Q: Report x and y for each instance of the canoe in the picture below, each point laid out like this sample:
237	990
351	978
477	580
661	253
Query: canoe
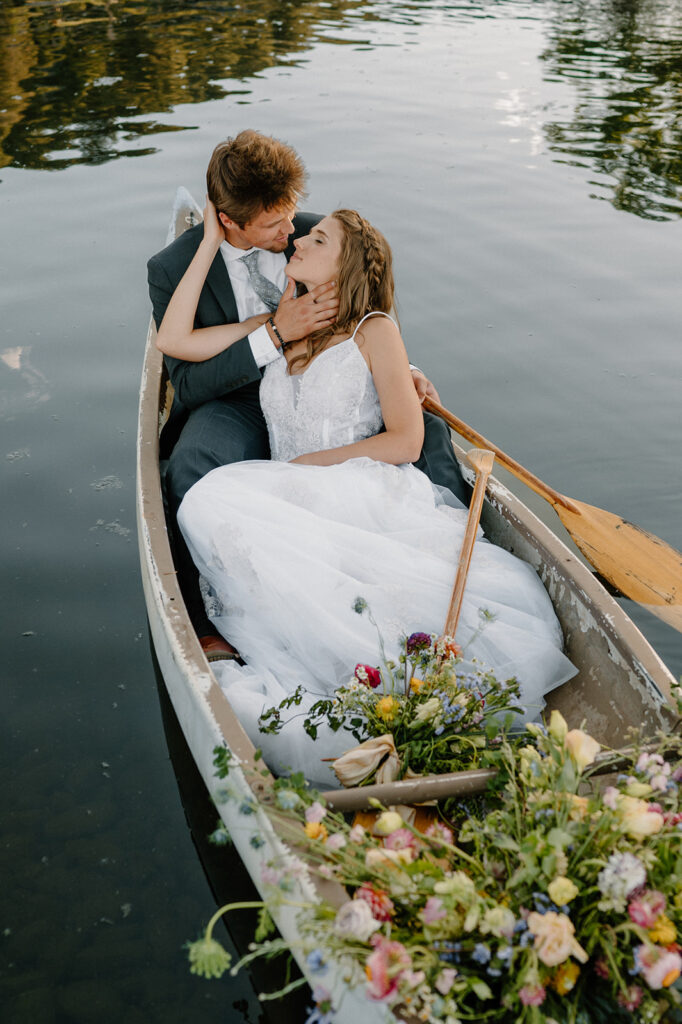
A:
621	681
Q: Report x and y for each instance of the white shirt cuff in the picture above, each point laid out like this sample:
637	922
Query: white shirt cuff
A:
262	347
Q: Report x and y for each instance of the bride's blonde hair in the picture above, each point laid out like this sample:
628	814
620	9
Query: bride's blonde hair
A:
364	281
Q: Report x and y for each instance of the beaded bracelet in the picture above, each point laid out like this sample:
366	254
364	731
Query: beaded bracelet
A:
279	337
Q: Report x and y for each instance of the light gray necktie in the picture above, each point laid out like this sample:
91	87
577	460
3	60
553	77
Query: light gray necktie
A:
262	286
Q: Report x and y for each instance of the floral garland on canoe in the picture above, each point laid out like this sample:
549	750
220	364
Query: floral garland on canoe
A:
558	902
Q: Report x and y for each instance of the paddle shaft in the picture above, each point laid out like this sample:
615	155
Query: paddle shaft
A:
523	474
482	461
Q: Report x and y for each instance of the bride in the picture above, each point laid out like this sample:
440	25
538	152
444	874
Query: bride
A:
286	547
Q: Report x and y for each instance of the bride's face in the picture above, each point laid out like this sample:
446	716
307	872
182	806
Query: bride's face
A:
317	255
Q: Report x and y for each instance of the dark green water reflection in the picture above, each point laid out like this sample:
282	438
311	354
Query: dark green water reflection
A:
87	81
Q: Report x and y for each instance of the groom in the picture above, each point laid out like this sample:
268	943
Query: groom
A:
255	183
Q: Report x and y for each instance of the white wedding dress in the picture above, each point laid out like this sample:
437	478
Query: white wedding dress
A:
284	551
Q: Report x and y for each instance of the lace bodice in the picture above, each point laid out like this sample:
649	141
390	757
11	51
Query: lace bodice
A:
331	404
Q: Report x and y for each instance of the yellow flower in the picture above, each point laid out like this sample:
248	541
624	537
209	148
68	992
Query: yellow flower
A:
663	931
557	726
582	747
638	789
315	830
579	807
416	684
637	819
387	708
565	978
387	822
562	890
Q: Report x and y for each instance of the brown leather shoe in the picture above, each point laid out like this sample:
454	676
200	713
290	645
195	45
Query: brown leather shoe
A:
217	649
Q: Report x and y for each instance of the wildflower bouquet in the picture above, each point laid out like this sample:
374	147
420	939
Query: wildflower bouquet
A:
436	714
563	904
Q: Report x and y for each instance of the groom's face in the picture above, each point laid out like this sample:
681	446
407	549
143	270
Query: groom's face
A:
270	230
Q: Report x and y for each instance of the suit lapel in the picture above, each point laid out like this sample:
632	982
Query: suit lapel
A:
218	280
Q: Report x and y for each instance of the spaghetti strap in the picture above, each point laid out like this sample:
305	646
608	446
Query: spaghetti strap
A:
374	312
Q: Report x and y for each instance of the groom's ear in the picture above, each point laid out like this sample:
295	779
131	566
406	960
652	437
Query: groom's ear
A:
226	222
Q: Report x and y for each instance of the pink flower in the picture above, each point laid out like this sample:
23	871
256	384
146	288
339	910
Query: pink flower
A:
659	966
357	834
601	968
401	839
445	980
632	999
385	966
439	833
644	910
315	812
336	841
368	675
610	797
433	910
379	901
532	995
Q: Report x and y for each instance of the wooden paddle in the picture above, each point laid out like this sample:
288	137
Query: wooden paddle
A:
638	564
482	461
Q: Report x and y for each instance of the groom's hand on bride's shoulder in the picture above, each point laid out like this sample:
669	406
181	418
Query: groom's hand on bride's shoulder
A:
423	385
296	317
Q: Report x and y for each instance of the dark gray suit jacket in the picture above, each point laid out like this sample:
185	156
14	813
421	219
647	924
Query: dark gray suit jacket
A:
235	367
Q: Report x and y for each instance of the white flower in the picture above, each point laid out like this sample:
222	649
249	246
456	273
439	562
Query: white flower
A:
354	921
429	710
622	875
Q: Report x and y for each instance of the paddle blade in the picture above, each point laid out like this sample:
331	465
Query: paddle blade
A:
640	565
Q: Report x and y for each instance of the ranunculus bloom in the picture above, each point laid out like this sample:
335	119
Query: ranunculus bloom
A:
387	822
368	675
638	820
384	967
354	920
532	995
659	967
562	890
554	938
557	726
379	901
583	748
645	910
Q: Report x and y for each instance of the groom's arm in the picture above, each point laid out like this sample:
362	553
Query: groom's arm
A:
196	383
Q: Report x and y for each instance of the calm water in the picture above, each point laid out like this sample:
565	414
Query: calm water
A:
524	160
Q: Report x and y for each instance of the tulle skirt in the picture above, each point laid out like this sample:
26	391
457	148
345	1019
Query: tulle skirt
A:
284	552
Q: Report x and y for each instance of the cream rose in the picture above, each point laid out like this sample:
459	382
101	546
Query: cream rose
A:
582	747
354	921
554	938
557	726
637	819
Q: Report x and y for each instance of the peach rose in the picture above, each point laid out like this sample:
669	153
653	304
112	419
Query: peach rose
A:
554	938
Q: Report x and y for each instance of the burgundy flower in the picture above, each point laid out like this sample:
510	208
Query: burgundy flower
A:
417	642
368	675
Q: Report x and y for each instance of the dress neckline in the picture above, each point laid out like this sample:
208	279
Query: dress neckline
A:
337	344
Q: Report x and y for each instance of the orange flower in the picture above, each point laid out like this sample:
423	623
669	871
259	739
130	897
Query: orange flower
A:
565	978
315	830
387	708
416	684
663	931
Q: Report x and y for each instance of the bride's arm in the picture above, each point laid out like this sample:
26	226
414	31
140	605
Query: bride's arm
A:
402	440
177	335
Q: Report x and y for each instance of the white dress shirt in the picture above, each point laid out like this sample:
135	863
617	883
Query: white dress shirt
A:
271	265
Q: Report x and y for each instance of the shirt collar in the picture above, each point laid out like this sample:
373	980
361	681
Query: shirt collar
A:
231	252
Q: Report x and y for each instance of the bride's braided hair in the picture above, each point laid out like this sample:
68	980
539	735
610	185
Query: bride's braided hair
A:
364	281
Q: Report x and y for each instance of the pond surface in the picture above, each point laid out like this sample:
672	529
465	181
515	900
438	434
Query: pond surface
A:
524	159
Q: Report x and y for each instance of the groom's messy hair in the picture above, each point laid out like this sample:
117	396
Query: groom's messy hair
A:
253	172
